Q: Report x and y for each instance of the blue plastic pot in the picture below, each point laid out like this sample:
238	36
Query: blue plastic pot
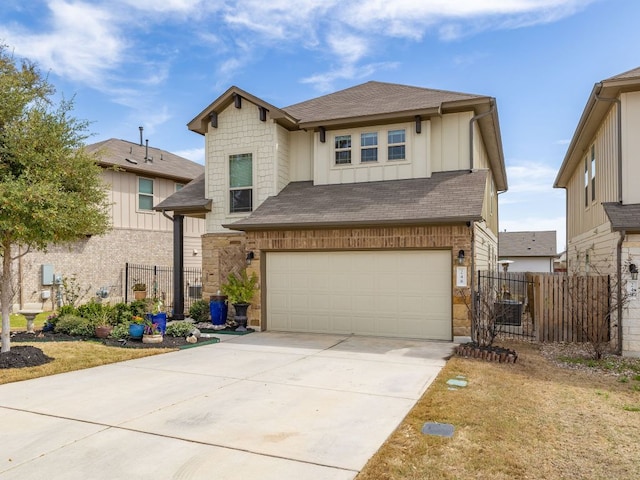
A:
218	307
160	319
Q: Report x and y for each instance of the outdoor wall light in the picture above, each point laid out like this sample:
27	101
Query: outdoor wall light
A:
250	256
633	270
460	257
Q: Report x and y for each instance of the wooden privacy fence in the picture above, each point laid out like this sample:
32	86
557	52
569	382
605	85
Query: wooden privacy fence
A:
571	308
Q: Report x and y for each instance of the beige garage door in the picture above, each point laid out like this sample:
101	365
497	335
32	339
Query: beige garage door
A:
385	293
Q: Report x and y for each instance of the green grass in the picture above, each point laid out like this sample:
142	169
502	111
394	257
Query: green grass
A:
19	322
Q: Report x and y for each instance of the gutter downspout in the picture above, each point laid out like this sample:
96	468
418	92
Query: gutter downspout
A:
623	234
472	226
471	122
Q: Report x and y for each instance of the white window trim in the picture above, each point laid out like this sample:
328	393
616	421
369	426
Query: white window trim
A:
227	202
383	150
152	195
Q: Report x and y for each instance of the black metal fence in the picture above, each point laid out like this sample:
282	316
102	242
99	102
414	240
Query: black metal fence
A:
158	281
503	303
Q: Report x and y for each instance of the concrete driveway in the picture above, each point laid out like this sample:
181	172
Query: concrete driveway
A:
260	406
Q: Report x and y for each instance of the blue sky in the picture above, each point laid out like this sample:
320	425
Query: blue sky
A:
158	63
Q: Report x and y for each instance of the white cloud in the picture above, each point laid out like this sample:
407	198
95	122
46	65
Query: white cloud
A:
82	41
194	154
531	177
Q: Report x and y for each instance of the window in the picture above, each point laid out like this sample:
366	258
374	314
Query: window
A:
240	183
593	173
396	142
179	186
145	194
343	149
586	183
368	147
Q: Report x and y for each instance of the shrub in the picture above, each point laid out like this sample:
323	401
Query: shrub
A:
67	310
120	331
138	307
199	311
179	329
121	313
75	325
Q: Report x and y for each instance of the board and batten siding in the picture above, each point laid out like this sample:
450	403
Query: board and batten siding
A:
123	196
415	165
630	147
583	218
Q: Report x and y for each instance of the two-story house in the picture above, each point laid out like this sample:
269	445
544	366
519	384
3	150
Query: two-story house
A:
603	205
137	177
363	211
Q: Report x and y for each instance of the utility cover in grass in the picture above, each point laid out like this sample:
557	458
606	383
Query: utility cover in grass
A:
438	429
458	382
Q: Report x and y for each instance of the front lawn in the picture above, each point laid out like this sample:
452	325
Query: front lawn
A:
534	419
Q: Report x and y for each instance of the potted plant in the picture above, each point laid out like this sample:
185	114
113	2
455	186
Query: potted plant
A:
154	313
139	290
240	291
136	327
152	333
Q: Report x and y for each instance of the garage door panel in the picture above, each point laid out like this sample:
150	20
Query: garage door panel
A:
387	293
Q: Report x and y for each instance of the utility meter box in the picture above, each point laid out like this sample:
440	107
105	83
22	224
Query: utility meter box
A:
47	274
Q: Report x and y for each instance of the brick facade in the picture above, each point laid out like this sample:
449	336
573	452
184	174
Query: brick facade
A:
224	253
96	262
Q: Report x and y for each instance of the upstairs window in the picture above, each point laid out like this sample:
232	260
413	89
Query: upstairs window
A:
179	186
369	147
240	183
145	194
396	142
343	149
593	173
586	183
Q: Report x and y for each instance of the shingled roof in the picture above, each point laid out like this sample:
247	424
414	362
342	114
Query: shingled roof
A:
527	244
152	162
189	200
446	197
390	98
623	217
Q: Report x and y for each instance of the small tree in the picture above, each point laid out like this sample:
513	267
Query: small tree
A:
51	190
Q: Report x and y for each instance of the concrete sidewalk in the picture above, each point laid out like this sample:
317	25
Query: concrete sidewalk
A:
260	406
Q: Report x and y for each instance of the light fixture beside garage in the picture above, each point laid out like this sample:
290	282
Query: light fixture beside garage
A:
250	256
460	257
633	270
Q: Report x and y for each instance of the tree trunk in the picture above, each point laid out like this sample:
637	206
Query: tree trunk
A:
5	296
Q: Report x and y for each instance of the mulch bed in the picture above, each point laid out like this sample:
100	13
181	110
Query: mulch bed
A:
23	356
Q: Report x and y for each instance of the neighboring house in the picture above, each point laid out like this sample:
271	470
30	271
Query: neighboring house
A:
529	251
138	177
363	211
599	172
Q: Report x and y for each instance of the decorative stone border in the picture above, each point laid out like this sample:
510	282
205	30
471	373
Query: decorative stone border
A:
491	354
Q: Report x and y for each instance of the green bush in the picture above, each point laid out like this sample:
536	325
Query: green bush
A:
120	331
199	311
67	310
75	325
122	313
179	329
138	307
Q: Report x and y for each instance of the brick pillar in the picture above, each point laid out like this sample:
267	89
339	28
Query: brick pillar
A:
222	254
